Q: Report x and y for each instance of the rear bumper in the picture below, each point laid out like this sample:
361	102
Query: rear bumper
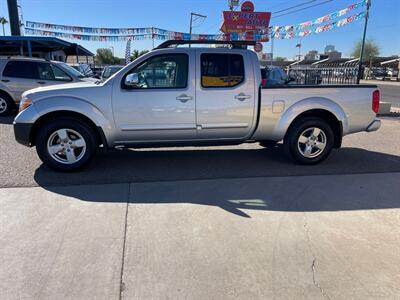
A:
22	132
374	126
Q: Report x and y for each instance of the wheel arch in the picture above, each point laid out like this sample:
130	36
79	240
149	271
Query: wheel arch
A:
4	92
319	107
100	136
325	115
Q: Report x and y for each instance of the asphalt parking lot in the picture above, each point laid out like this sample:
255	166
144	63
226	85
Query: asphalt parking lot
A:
203	223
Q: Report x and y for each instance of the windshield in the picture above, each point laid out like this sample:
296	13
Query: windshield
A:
72	71
108	71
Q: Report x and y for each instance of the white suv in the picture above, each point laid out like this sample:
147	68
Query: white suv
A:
19	74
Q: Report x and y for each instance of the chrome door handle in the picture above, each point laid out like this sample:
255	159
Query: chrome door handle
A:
184	98
242	97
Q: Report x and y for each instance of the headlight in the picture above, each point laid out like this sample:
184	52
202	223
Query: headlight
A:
25	102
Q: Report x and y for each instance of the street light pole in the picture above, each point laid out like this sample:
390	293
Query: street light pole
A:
192	20
363	43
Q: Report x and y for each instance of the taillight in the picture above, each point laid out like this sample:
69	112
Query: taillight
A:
264	82
375	101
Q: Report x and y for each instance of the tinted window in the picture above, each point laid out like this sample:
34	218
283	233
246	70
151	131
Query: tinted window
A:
21	69
60	74
163	71
45	71
221	70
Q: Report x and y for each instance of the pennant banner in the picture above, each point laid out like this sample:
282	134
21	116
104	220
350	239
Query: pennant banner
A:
282	30
124	34
165	35
319	29
89	30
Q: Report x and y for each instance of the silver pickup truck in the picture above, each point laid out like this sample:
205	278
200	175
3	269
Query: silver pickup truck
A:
180	96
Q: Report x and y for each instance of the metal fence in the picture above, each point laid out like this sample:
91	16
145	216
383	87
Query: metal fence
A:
323	75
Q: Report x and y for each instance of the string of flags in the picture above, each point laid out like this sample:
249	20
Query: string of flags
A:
303	29
290	34
250	36
320	20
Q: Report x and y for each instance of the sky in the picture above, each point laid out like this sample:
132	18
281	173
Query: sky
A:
383	25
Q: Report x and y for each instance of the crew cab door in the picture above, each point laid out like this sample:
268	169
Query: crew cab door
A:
225	94
162	106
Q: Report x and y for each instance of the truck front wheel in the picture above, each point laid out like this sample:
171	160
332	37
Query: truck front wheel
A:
309	140
66	144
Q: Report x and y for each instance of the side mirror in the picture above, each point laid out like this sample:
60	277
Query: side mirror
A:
132	80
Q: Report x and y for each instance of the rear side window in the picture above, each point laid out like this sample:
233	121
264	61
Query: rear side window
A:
21	69
221	70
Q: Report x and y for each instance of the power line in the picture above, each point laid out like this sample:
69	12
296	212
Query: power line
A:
304	8
289	8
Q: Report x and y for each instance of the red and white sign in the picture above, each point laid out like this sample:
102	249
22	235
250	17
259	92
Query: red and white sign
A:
258	47
245	20
247	6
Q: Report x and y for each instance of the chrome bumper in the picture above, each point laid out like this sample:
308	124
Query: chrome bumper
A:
374	126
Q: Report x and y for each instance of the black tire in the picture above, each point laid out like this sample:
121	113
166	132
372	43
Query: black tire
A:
291	146
70	123
7	105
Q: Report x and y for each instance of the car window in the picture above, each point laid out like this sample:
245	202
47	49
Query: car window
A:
163	71
221	70
60	74
45	71
282	74
21	69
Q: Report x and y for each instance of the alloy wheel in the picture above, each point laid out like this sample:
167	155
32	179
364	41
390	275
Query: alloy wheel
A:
66	146
312	142
3	105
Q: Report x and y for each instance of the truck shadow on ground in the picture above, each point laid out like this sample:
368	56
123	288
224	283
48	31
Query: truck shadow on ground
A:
7	120
235	180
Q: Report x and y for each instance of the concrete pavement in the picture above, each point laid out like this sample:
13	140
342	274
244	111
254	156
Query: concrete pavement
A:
303	237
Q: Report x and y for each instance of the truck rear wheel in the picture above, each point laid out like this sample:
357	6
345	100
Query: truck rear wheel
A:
309	141
66	144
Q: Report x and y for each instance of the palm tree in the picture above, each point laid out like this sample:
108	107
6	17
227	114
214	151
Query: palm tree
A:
3	21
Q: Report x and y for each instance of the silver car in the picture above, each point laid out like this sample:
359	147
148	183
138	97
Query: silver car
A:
19	74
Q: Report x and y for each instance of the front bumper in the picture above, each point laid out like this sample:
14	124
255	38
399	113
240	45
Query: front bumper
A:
374	126
22	132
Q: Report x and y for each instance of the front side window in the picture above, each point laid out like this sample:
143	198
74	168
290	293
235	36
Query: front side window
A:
221	70
163	72
21	69
45	71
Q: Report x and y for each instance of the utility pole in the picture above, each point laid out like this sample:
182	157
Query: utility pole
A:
363	42
196	17
14	17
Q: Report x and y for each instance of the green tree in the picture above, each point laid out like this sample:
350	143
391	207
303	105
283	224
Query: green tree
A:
136	53
104	56
3	21
280	58
371	49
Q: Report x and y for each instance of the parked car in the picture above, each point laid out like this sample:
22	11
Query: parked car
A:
19	74
108	71
206	96
85	69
